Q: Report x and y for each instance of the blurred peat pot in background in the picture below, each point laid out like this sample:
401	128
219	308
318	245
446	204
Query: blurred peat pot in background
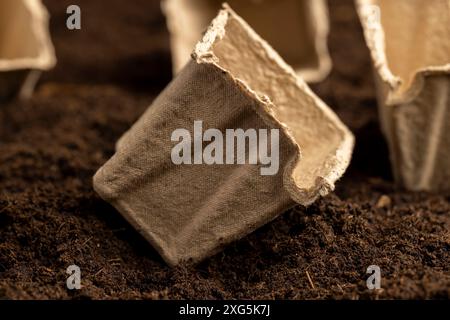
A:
234	80
25	46
297	29
410	46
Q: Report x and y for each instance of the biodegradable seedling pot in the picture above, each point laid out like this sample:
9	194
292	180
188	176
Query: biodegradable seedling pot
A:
410	46
297	29
235	80
25	46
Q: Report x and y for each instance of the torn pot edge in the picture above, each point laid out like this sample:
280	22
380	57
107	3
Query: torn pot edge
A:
340	161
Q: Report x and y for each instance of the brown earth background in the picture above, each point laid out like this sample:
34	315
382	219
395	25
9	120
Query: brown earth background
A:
107	75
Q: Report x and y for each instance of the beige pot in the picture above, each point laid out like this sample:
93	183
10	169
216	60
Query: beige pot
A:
409	41
297	29
234	81
25	46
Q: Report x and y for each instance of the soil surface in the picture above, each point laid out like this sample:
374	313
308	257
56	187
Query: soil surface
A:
108	74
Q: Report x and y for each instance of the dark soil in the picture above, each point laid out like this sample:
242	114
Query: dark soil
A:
108	73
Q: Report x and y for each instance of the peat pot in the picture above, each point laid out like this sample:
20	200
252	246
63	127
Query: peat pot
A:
25	46
297	29
234	140
409	43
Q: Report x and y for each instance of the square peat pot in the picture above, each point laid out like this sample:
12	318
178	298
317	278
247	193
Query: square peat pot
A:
234	140
297	29
25	46
409	43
